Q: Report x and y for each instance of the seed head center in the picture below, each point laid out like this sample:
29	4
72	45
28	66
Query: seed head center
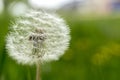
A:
38	36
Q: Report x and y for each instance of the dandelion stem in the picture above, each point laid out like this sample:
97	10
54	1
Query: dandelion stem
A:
38	76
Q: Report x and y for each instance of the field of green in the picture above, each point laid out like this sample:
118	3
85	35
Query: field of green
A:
94	52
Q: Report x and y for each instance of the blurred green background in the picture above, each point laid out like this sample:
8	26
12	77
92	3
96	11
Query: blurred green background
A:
94	52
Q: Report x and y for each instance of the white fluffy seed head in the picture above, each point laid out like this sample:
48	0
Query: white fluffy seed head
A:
37	37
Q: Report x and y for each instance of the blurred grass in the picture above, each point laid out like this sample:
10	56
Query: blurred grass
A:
94	52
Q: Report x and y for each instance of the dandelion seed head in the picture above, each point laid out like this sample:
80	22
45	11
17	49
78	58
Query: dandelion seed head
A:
37	36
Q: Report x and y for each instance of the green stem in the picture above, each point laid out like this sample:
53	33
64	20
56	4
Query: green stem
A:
38	76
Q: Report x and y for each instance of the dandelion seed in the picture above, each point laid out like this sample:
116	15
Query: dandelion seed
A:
37	36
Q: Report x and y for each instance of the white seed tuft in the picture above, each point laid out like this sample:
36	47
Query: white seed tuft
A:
38	37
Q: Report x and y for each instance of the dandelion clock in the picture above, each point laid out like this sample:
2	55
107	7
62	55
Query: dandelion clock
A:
37	37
